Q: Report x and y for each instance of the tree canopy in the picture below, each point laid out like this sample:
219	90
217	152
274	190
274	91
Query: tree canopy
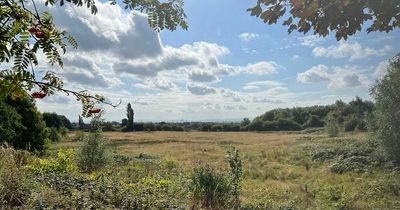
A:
343	17
25	33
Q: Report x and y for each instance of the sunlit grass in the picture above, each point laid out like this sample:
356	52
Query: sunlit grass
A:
276	166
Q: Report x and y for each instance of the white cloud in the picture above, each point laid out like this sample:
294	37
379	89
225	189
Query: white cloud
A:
348	76
157	83
338	77
262	68
317	73
310	40
257	85
248	36
200	89
353	51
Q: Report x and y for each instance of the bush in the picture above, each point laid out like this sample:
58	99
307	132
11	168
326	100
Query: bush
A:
332	127
288	125
387	114
93	154
63	162
211	189
13	190
54	135
314	121
79	136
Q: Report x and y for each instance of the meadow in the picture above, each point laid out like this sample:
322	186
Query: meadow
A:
281	170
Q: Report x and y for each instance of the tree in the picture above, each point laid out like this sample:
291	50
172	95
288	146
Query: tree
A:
55	120
130	116
344	17
24	33
245	122
387	112
21	125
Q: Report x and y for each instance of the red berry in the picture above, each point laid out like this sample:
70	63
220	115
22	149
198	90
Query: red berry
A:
38	95
93	111
32	30
39	34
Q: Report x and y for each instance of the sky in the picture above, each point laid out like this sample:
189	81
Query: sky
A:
226	66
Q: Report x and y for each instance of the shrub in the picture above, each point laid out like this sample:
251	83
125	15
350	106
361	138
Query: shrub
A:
93	154
63	162
13	190
211	189
332	127
387	114
288	125
54	135
235	164
314	121
79	136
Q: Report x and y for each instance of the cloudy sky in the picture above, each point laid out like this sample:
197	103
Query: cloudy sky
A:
227	66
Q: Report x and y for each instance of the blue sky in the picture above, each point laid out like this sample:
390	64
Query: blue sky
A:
227	66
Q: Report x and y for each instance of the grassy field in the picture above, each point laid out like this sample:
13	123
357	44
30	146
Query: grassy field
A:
281	170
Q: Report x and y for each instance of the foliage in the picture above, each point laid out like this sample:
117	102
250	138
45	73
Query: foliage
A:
63	162
93	154
54	135
23	125
130	116
236	165
298	118
211	189
332	127
344	18
79	136
57	121
349	155
13	189
26	33
387	114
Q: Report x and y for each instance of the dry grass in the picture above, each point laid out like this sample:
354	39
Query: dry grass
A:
275	165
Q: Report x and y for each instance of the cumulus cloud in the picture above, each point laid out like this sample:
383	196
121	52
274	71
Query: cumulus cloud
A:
310	40
200	89
353	51
338	77
246	37
157	83
348	76
317	73
262	68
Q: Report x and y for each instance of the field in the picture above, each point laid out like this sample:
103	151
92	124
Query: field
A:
281	170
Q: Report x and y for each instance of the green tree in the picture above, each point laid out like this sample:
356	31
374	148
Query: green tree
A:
387	113
55	120
23	125
245	122
25	33
343	17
